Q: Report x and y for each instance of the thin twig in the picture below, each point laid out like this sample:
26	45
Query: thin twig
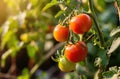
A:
48	55
7	76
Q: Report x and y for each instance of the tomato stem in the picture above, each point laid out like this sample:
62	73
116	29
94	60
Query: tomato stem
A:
81	36
89	38
94	17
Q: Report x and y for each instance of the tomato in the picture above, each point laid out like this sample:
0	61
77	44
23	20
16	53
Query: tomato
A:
61	33
81	23
65	65
76	52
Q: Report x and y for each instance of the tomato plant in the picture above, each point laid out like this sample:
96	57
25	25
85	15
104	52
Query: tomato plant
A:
61	33
76	52
85	31
81	23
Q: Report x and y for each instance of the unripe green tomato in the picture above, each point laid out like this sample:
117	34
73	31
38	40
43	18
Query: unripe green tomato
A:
65	65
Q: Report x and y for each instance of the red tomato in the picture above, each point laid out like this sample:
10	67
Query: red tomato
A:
76	52
61	33
80	23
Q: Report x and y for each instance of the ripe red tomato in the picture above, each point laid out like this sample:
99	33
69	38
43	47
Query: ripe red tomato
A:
76	52
61	33
65	65
81	23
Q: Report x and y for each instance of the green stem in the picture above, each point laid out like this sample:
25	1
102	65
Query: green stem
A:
94	17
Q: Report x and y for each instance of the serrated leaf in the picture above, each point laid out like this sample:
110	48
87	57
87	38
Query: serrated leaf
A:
115	45
114	31
59	13
52	3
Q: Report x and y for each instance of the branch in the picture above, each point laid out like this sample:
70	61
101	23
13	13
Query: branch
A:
94	17
48	55
7	76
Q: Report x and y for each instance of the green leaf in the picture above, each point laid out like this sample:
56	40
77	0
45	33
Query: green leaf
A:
59	13
6	37
25	74
68	1
81	69
100	4
108	74
34	2
102	59
31	50
112	71
114	31
52	3
115	45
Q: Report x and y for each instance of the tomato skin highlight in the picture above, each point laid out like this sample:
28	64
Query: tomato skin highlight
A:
76	52
81	23
61	33
65	65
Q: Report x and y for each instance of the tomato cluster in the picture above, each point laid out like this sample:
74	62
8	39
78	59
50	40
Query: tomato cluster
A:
77	51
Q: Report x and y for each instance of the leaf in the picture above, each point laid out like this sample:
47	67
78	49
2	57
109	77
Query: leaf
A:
114	31
59	13
52	3
25	74
100	4
102	59
6	37
115	45
81	69
112	71
31	50
68	1
108	74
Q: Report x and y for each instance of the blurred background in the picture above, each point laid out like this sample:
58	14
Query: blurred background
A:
27	43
